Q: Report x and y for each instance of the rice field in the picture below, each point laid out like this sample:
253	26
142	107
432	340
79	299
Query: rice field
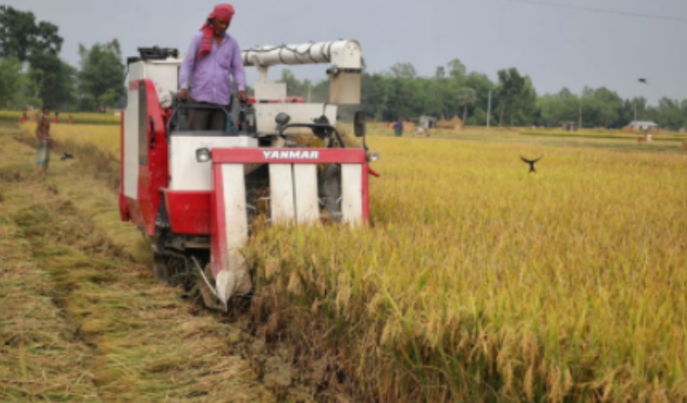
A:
104	138
604	134
477	281
78	117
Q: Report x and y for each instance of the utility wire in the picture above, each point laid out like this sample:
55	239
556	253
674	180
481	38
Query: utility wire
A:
599	10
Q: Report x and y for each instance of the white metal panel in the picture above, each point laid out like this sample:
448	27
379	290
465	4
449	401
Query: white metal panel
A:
189	174
236	224
270	91
300	113
281	193
136	71
352	193
163	73
131	145
305	187
344	88
165	76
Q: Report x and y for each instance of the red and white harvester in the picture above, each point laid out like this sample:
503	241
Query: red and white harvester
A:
194	194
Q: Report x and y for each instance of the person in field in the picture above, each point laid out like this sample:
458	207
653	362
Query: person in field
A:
398	128
212	57
45	142
23	119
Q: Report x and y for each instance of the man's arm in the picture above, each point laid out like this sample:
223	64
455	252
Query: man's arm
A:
187	66
237	70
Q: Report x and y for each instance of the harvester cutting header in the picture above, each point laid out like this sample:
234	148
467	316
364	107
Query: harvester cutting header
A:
194	190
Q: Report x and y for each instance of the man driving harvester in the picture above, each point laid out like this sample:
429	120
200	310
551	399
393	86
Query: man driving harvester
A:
212	56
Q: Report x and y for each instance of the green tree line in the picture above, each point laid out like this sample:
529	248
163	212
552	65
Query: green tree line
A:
453	91
33	74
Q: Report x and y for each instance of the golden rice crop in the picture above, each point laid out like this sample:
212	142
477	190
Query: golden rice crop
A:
79	117
104	138
477	281
602	134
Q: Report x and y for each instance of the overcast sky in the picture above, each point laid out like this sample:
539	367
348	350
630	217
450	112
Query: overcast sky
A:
557	47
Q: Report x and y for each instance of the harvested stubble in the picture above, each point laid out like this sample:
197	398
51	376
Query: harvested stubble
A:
479	282
39	358
84	322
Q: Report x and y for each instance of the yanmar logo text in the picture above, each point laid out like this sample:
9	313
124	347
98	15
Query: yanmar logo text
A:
291	155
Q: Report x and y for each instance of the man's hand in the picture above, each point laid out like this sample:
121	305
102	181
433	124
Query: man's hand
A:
242	96
183	94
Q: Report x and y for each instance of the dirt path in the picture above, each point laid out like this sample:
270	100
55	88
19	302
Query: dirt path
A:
84	320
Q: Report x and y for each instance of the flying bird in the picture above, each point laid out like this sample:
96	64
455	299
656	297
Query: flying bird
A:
66	155
531	163
642	80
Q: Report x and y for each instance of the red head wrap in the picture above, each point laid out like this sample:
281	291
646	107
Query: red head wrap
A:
224	12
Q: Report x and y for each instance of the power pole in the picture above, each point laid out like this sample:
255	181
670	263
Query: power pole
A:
489	110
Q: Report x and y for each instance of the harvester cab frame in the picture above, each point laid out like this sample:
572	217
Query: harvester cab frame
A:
195	193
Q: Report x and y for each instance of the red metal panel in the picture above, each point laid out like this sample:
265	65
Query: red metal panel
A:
288	156
188	211
218	230
123	211
155	176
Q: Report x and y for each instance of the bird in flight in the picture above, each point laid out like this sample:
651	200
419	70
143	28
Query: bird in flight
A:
66	155
642	80
531	163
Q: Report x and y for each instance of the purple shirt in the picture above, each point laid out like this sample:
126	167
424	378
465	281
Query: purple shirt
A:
209	76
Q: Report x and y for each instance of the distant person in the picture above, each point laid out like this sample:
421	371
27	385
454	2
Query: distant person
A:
56	118
45	142
398	128
23	119
211	58
70	120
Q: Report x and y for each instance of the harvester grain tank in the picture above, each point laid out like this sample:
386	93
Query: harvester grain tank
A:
194	194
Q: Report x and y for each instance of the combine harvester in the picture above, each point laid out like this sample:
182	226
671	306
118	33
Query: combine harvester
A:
194	194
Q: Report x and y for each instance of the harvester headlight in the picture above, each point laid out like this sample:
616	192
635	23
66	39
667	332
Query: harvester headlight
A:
372	157
203	155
